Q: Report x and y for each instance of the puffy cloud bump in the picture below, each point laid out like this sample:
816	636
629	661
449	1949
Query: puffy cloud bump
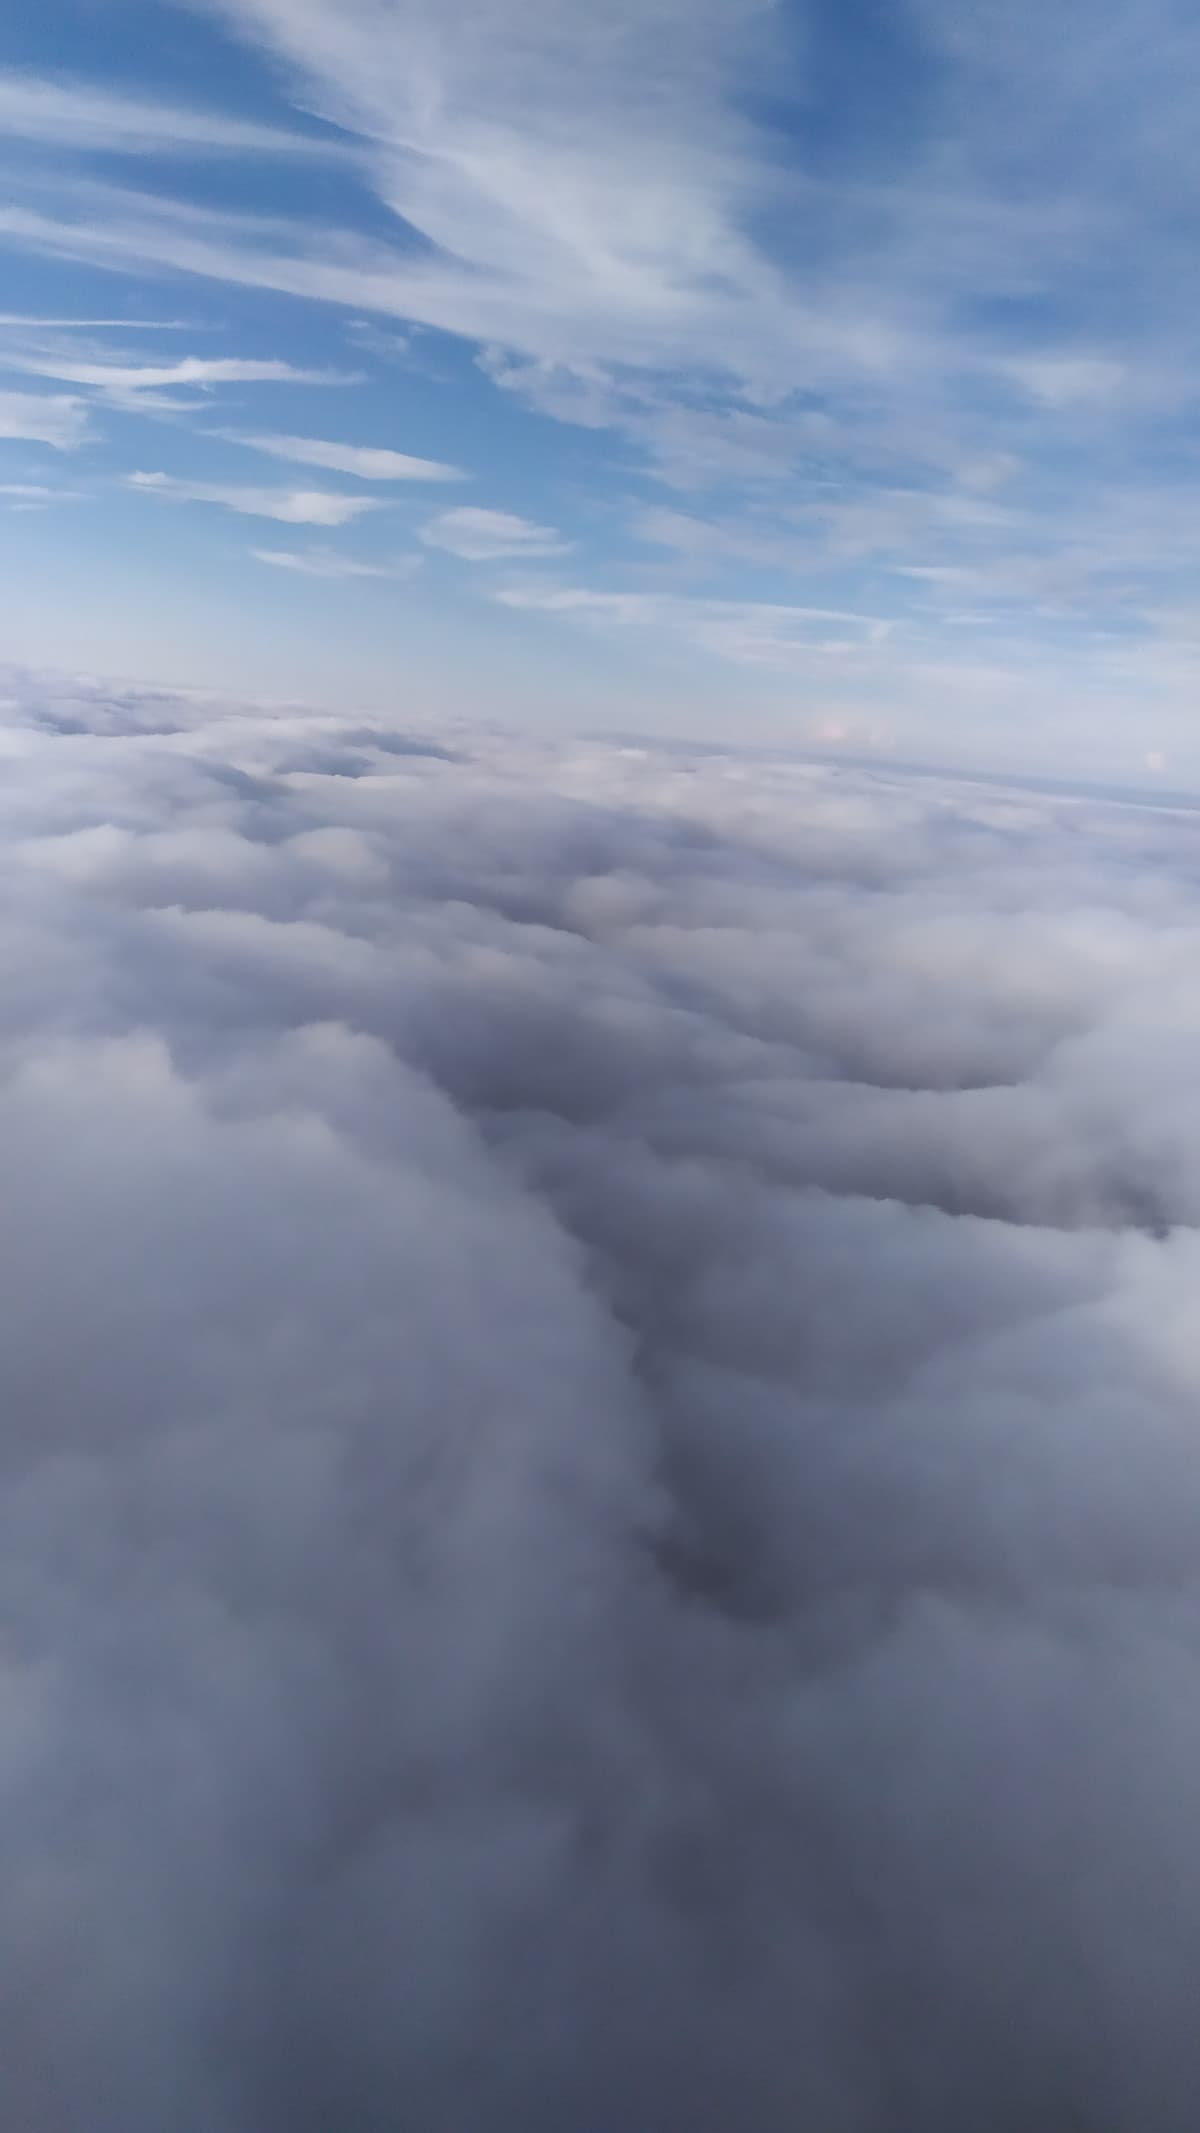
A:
601	1510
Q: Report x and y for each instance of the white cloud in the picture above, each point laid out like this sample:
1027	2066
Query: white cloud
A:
750	632
368	462
480	536
57	419
327	563
601	1510
127	325
202	372
83	118
33	494
292	507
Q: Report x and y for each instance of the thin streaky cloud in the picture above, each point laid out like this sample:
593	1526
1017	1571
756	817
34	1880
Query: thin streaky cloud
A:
127	325
199	371
368	462
292	507
327	563
750	633
82	118
479	536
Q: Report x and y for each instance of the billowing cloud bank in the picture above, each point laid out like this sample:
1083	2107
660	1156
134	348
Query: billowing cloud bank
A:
601	1440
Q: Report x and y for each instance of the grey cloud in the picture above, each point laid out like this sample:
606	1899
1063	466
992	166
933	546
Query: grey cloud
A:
601	1486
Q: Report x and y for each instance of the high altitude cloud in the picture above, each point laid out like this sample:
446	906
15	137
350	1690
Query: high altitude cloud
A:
203	371
58	419
32	495
496	140
752	632
368	462
293	507
328	563
598	1395
480	536
83	117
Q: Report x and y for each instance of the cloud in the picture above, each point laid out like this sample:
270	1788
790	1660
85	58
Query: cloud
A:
294	507
58	419
1061	381
33	495
491	536
752	632
600	1485
368	462
327	563
500	150
202	372
128	325
84	118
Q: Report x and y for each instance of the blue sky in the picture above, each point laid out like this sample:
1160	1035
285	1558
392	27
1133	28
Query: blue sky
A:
818	373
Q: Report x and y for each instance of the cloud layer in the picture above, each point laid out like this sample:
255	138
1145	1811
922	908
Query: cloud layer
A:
601	1487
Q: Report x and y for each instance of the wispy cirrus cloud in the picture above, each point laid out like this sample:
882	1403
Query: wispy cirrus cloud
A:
367	462
480	536
56	419
328	563
84	117
196	372
39	319
292	507
33	495
750	632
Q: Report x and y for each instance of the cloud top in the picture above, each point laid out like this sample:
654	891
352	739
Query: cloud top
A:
600	1485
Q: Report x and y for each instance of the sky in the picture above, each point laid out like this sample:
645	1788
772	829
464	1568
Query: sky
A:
818	373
